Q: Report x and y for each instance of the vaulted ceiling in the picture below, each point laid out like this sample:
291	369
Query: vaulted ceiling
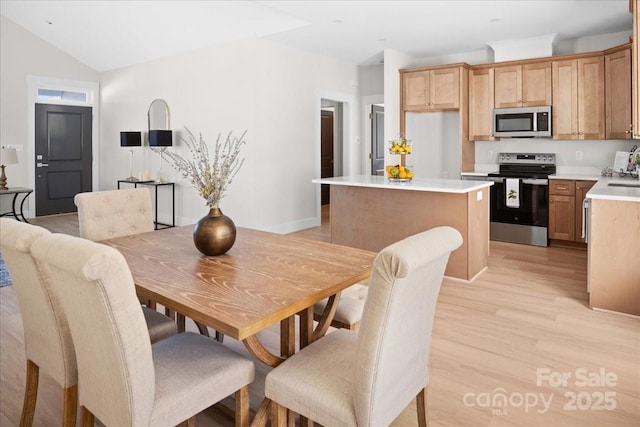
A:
111	34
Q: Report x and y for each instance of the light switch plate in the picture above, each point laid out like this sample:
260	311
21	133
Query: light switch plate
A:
18	147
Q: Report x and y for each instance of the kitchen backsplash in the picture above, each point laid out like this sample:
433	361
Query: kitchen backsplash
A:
571	156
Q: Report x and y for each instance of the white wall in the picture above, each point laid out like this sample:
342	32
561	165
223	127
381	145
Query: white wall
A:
592	43
435	139
481	56
23	54
371	91
371	80
272	91
393	61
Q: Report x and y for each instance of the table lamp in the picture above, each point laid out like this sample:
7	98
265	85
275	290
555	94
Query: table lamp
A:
131	139
160	139
8	156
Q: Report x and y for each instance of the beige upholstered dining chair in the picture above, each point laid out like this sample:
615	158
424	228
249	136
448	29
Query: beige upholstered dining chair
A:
114	213
48	343
349	311
367	378
109	214
125	380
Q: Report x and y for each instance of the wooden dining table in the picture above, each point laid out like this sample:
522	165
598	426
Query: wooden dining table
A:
264	279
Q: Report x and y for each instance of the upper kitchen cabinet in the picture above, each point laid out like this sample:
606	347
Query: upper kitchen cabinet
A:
635	68
430	89
481	91
578	98
617	69
527	85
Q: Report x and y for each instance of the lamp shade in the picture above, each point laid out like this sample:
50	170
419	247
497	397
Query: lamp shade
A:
8	156
130	139
160	138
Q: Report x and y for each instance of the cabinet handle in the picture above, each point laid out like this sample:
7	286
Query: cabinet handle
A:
578	188
627	132
561	188
580	133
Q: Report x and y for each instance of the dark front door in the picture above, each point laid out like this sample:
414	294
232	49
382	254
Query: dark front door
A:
63	156
377	139
326	152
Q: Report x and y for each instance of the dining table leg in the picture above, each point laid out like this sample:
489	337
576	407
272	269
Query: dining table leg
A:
306	327
288	336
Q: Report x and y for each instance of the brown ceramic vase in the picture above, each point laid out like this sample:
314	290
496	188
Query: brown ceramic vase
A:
215	233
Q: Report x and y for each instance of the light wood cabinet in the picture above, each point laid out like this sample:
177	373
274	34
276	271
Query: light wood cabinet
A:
565	209
481	104
582	188
526	85
431	90
635	68
562	210
578	98
617	71
444	88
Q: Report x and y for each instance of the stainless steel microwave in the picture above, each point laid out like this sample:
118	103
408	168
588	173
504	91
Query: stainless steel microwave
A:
523	122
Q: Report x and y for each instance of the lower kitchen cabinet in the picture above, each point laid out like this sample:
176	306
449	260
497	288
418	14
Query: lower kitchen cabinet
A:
565	209
562	209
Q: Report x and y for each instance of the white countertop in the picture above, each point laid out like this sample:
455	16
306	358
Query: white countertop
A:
603	191
416	184
576	176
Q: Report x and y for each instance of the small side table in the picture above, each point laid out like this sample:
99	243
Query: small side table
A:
14	204
158	225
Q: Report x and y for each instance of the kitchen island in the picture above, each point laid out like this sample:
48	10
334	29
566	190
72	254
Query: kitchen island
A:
614	246
369	212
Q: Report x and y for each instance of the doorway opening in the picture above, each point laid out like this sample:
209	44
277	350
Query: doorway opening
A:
331	144
377	139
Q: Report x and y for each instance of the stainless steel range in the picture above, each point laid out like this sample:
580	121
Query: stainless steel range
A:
520	198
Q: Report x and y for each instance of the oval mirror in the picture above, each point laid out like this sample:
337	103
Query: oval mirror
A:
158	115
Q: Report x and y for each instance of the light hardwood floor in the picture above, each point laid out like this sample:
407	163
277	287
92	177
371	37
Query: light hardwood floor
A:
526	317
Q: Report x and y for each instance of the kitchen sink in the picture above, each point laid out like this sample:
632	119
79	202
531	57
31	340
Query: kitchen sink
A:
634	183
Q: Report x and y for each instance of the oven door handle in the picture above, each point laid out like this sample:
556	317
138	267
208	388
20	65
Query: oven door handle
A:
495	179
536	181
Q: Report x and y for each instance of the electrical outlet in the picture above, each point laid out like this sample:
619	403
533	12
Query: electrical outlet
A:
445	175
490	155
578	155
18	147
479	196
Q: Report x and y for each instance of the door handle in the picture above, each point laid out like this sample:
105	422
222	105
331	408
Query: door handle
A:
41	165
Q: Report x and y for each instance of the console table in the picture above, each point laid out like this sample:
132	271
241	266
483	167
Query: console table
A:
14	204
158	225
